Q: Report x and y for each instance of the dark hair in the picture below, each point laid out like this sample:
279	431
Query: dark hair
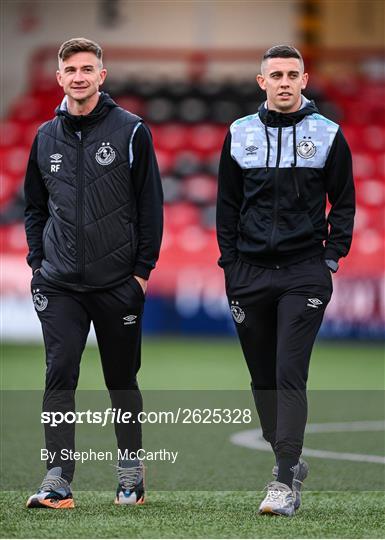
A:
282	51
76	45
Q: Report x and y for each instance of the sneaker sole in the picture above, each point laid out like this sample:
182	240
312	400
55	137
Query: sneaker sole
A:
140	501
56	505
269	510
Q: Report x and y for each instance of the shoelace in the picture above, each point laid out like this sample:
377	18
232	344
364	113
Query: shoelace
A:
128	476
52	482
276	494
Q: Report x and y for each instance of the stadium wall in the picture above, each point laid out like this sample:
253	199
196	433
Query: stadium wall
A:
28	25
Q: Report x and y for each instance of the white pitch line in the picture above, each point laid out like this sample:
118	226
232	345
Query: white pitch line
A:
253	439
333	427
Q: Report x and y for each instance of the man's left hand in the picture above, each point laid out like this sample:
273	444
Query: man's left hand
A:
142	283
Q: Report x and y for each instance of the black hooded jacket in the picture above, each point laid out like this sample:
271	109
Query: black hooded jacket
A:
275	176
93	199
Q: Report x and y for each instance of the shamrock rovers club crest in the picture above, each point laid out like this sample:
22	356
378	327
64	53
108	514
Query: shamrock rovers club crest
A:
106	154
306	149
237	312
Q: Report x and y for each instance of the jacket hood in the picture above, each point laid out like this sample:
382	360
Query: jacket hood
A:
277	119
85	123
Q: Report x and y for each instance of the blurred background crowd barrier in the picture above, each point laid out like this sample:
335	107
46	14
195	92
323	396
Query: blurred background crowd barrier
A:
188	69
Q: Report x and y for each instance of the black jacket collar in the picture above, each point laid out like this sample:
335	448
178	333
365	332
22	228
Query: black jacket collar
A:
85	123
278	119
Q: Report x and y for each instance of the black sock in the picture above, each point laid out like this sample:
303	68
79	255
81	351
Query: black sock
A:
286	470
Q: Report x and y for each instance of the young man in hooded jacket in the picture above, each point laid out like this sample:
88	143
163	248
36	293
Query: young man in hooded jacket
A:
278	250
93	221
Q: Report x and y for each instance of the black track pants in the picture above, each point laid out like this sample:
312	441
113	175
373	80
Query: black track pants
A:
277	314
65	317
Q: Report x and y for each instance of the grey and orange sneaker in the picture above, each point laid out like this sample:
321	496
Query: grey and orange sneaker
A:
131	482
279	500
54	492
301	470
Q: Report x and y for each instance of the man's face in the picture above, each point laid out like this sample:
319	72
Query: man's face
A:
283	79
80	76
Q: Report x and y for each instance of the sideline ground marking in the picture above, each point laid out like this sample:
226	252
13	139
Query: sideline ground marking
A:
252	438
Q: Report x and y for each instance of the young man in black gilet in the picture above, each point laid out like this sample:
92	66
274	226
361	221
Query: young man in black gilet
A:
93	221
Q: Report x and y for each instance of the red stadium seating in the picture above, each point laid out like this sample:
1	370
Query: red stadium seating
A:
9	186
188	156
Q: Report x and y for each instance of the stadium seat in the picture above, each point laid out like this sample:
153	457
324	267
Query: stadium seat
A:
15	159
165	161
364	164
206	138
373	138
200	189
225	112
376	219
353	135
369	241
131	103
172	189
187	163
12	239
379	159
192	110
361	219
11	133
181	215
208	217
193	238
29	133
8	188
371	192
172	137
27	109
159	110
212	162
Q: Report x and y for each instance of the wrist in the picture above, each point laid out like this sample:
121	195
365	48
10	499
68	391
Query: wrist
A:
142	282
332	265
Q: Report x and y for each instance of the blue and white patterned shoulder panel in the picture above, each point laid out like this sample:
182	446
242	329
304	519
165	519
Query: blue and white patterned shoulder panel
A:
314	137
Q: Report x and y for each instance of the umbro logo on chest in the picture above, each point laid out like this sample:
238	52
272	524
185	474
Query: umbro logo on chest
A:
56	160
251	150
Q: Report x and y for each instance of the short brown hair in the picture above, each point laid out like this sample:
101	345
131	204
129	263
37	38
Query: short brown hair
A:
76	45
282	51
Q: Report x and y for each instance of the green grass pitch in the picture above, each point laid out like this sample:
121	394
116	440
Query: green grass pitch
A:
218	365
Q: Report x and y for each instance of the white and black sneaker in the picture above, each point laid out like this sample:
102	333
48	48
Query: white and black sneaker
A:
279	500
301	470
131	483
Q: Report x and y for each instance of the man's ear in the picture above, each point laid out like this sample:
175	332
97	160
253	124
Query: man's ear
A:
103	75
261	81
58	78
305	79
